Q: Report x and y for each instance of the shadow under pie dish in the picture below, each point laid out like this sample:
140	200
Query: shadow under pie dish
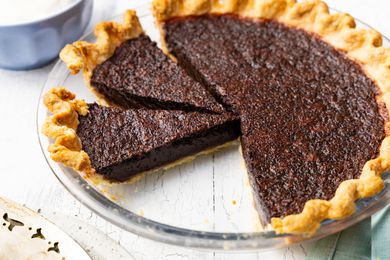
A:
251	112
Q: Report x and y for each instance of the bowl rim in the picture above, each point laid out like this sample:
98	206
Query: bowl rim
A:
61	11
181	236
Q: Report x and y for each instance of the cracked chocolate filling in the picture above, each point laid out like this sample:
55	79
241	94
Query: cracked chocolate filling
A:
122	143
140	75
309	116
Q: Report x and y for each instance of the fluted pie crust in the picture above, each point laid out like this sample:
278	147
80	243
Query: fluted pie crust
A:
339	30
62	126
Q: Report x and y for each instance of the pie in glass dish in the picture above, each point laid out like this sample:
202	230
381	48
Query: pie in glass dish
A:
306	91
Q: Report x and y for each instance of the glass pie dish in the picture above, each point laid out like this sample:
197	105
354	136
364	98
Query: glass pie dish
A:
206	203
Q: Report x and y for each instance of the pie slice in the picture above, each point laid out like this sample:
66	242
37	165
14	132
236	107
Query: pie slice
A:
119	144
312	93
124	67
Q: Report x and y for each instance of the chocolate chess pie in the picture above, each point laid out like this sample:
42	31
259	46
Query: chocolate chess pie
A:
309	89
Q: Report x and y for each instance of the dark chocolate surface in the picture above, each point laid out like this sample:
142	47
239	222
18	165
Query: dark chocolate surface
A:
122	143
309	116
140	75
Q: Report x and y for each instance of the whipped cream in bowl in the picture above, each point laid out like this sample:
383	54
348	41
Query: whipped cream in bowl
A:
32	32
24	11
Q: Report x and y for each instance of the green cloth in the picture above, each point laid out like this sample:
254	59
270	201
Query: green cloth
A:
380	226
369	239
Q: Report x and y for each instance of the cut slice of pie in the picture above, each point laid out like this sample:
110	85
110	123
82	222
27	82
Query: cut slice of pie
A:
126	68
119	144
312	92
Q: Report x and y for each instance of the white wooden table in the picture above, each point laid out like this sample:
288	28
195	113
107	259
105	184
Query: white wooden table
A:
27	179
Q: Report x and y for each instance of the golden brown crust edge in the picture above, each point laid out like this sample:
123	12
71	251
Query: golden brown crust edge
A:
82	55
62	126
361	45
